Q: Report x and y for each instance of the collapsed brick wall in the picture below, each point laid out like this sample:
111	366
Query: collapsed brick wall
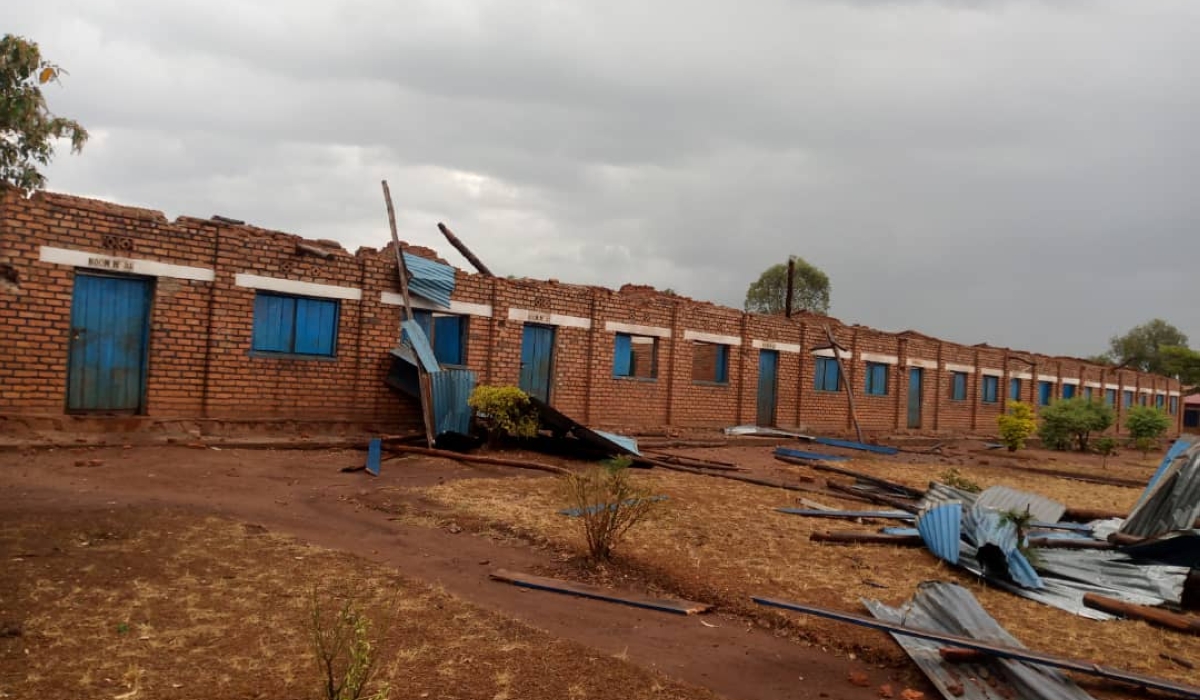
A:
201	363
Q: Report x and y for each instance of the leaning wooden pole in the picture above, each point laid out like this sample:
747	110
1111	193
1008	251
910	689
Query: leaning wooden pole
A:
791	276
837	356
462	248
402	269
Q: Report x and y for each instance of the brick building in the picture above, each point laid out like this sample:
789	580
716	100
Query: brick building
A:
116	310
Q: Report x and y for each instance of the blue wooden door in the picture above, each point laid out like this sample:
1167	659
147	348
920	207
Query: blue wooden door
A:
915	375
110	325
537	359
768	375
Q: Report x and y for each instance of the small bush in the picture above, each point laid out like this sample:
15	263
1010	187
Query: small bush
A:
1070	422
1146	424
953	477
609	502
1017	425
345	652
1106	446
505	410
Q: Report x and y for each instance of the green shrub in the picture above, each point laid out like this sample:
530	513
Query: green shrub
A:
1106	446
345	651
1070	422
609	504
955	478
1017	425
505	410
1146	424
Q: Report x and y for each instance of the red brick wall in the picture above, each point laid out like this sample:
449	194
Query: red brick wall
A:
201	364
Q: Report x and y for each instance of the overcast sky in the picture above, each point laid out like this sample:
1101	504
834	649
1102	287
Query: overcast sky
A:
1017	173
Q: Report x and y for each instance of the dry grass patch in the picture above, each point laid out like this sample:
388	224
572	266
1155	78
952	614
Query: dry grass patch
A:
164	605
720	541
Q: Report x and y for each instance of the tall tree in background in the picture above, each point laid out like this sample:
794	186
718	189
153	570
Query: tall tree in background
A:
28	129
1142	347
810	289
1183	363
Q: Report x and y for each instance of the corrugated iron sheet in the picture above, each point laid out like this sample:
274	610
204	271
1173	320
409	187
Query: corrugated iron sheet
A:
851	445
450	389
761	431
431	280
939	493
555	419
1005	499
941	529
1116	575
951	609
849	514
1177	448
414	337
816	456
1172	502
994	539
1174	548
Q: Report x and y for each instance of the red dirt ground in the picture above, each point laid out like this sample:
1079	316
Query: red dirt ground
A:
303	494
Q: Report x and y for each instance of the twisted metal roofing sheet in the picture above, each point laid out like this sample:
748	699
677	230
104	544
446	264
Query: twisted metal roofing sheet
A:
1005	499
940	528
431	280
1172	501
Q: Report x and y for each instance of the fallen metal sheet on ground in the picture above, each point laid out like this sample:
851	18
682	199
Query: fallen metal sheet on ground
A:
577	512
851	445
939	493
1172	501
941	530
760	431
951	609
1005	499
1113	573
1001	651
814	456
1177	448
849	514
561	423
996	547
541	583
1175	548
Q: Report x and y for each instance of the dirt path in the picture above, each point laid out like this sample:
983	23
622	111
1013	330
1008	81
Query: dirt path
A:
303	494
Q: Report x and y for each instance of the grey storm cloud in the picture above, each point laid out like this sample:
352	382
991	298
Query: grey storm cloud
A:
1010	172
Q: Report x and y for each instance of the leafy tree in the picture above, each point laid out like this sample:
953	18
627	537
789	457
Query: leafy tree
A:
27	127
1072	421
1145	425
1017	425
1141	348
1183	363
810	289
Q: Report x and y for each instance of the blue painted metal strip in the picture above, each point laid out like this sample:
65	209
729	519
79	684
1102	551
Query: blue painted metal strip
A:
881	514
451	388
851	445
374	456
941	529
577	512
1181	445
801	454
415	335
906	531
431	280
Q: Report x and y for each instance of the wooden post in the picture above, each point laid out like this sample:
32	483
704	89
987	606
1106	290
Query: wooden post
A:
791	274
422	377
837	357
462	248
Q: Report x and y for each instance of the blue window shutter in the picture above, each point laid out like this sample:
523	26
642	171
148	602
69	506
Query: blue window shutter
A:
1068	391
623	355
1158	401
722	364
991	389
958	389
1174	403
274	323
316	326
834	377
447	339
1110	397
1014	389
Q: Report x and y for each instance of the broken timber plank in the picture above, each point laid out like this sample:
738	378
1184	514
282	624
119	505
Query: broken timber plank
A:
991	649
466	252
845	380
1155	616
872	497
849	514
908	491
477	459
583	590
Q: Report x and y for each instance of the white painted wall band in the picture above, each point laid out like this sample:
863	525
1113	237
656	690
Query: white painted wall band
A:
636	329
1047	378
1070	380
114	263
548	318
776	345
922	363
991	372
969	369
1020	375
828	352
464	308
285	286
712	338
879	358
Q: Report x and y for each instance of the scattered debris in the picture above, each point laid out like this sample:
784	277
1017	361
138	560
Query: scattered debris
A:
1145	613
760	431
847	537
478	459
948	615
374	456
811	456
541	583
849	514
851	445
1172	498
